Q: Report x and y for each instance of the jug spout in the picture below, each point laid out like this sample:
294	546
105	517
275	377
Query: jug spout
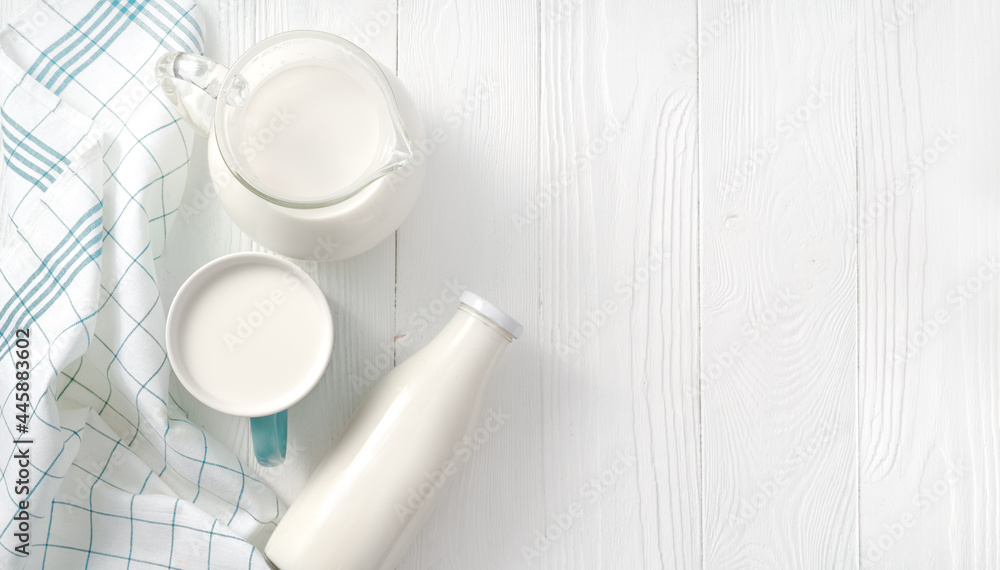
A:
398	149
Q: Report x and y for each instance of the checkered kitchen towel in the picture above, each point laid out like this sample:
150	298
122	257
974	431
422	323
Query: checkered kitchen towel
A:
114	475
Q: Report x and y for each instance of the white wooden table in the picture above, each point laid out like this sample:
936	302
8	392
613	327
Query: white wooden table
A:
753	244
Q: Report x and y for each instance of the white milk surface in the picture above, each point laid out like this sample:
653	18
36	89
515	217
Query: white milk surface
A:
310	131
251	333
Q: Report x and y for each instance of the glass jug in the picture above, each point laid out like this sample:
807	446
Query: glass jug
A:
303	132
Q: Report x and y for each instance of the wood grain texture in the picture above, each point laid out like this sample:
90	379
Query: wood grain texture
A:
929	297
472	68
778	284
616	214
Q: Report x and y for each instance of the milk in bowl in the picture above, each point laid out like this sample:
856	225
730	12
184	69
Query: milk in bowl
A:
246	334
250	334
309	132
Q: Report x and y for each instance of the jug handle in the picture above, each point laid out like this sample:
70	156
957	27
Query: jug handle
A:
199	71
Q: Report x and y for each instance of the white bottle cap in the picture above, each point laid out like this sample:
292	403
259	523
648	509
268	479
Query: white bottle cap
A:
489	310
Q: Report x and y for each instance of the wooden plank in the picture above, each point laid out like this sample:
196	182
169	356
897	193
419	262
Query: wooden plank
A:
617	216
472	69
929	300
778	284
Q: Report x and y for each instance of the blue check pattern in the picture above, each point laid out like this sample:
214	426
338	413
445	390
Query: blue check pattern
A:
95	162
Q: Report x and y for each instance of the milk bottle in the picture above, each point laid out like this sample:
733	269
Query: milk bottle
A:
357	511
